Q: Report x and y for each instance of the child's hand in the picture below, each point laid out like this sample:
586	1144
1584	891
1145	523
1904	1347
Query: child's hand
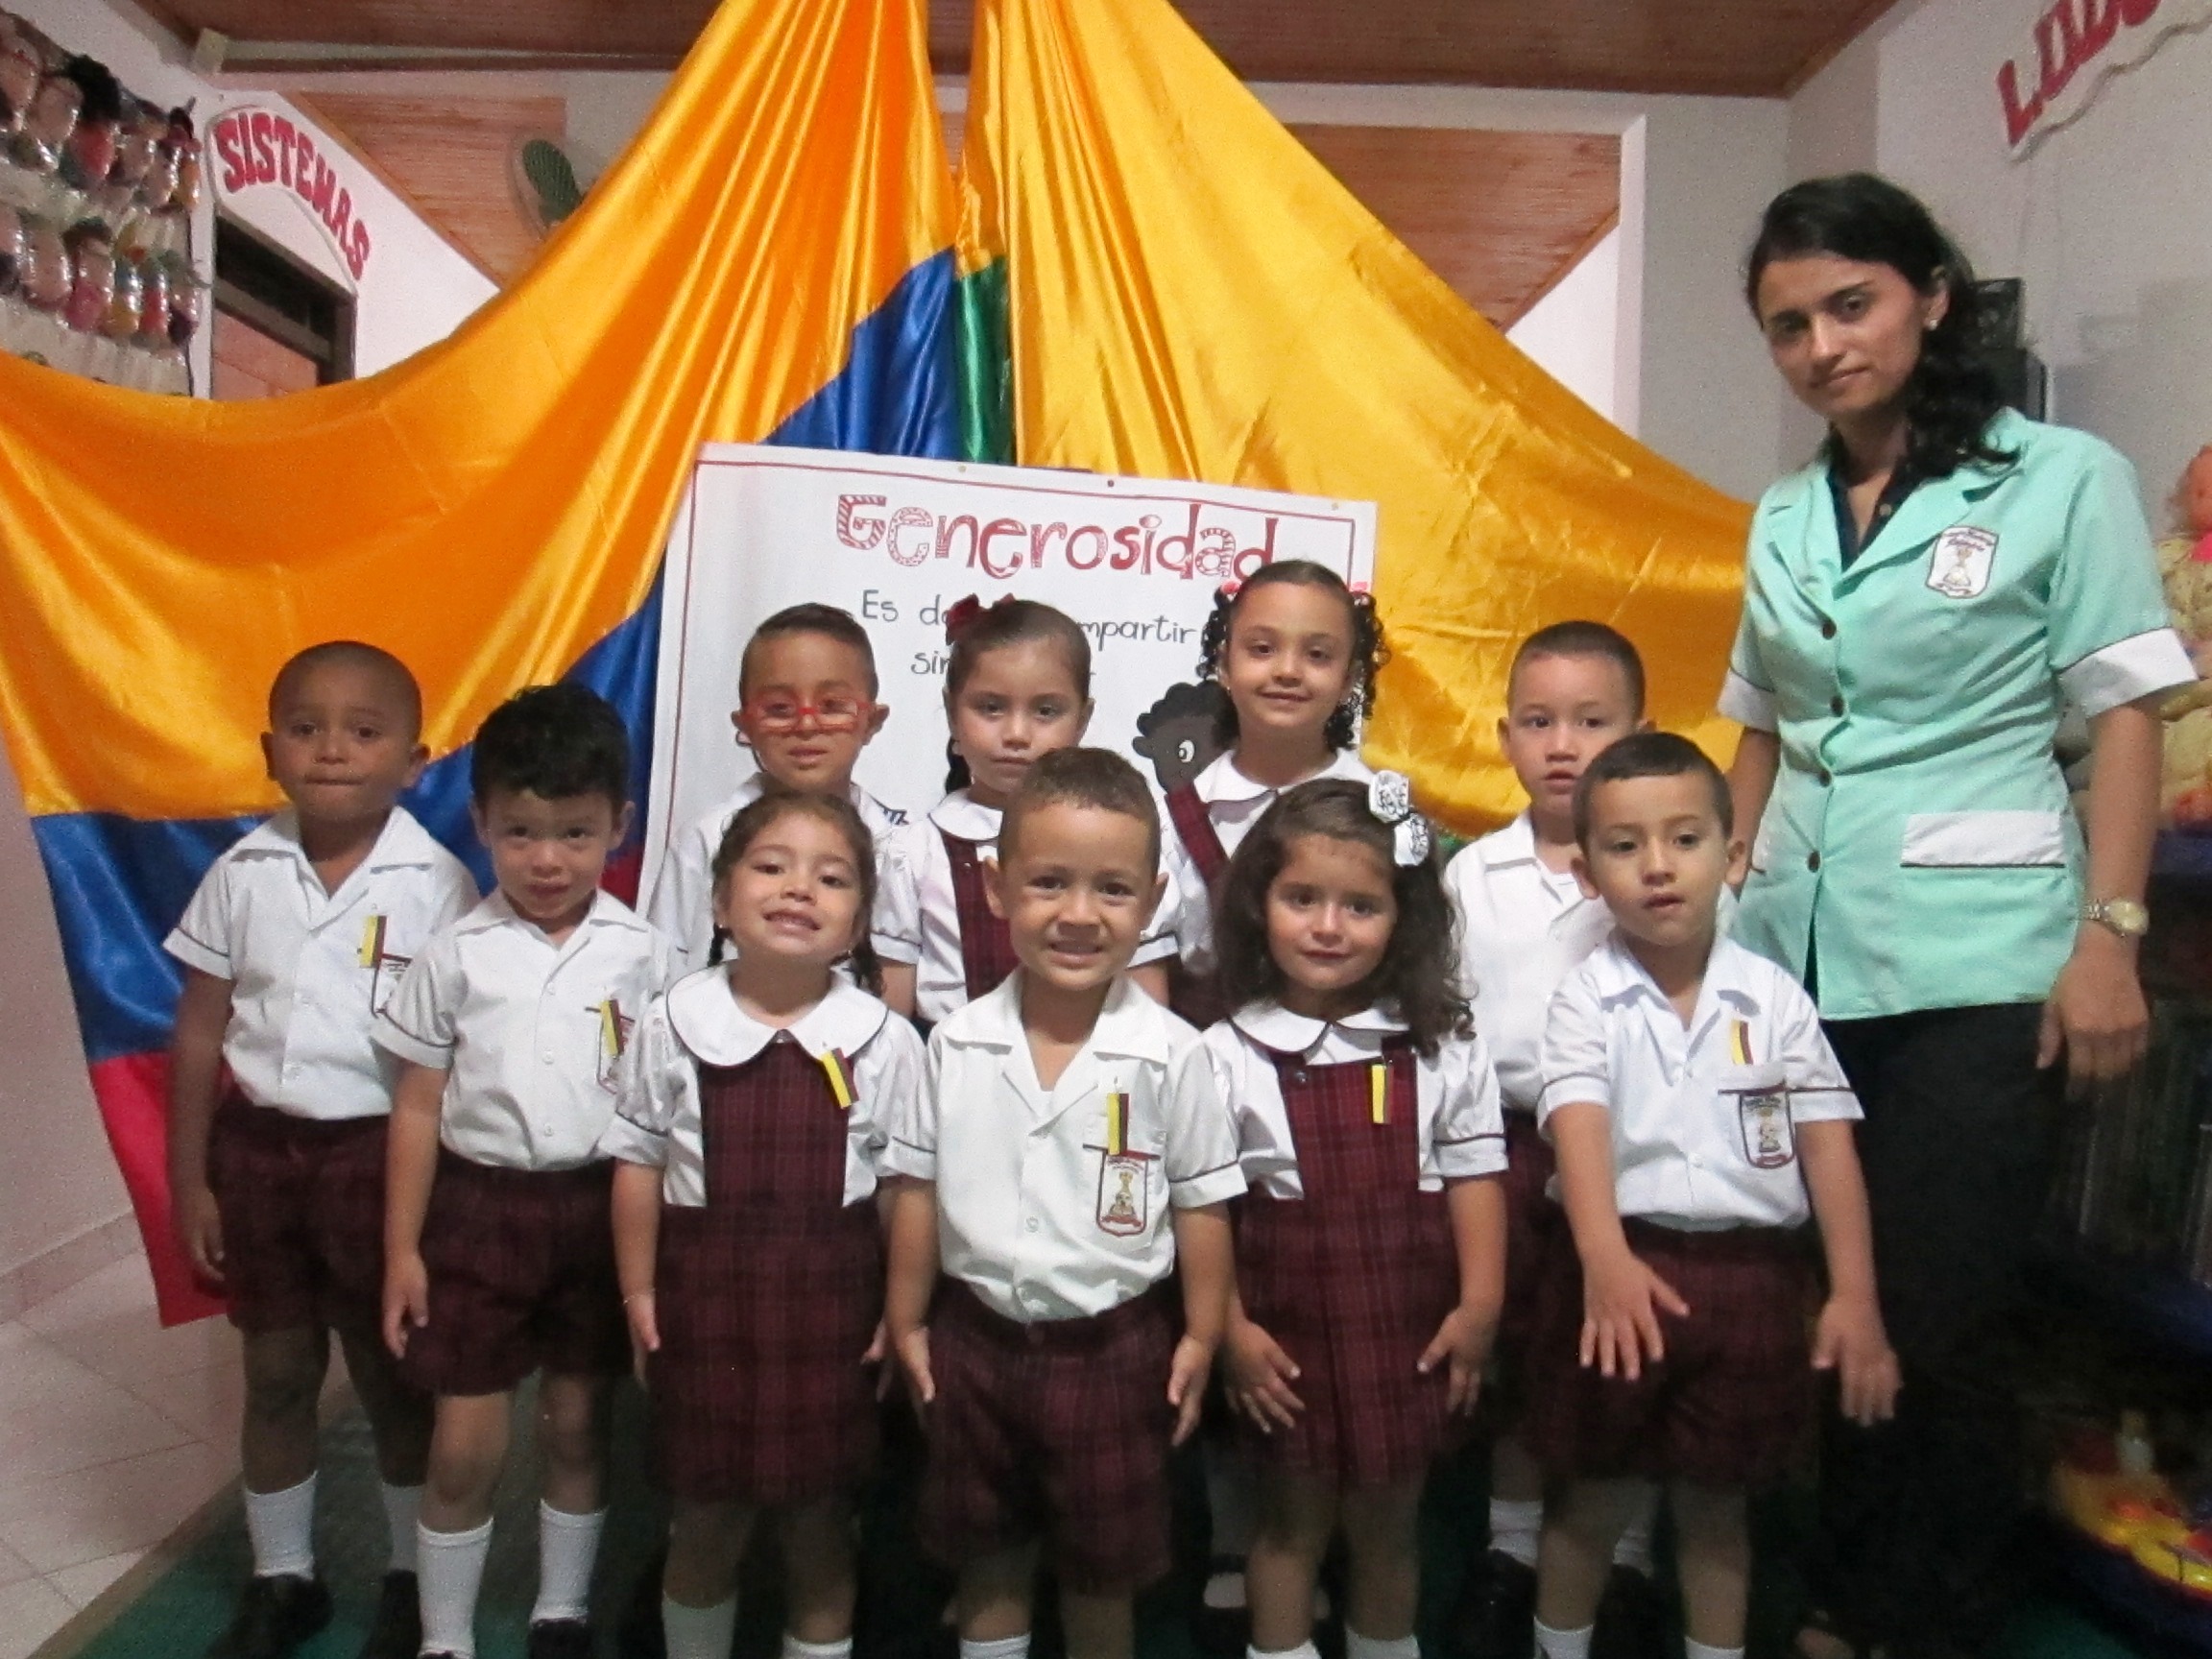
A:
406	1300
644	1317
913	1350
199	1230
1259	1375
1187	1385
879	1351
1622	1301
1462	1342
1850	1341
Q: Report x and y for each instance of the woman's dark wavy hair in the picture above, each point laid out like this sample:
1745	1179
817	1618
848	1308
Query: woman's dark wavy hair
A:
1369	651
1952	396
1419	974
974	633
757	817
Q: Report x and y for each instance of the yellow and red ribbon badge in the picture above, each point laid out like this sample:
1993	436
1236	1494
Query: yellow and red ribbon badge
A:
839	1072
1379	1092
1117	1123
1739	1040
373	942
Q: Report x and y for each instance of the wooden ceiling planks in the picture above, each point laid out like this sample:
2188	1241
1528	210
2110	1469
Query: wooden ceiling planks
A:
1750	48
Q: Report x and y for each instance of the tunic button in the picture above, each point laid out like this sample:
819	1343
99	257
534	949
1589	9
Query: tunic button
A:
1826	777
1827	628
1297	1076
1032	1223
1811	861
1835	706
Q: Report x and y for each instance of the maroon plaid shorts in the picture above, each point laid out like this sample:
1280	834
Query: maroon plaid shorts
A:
302	1208
1731	1402
1057	1432
766	1297
1534	1227
522	1266
1354	1279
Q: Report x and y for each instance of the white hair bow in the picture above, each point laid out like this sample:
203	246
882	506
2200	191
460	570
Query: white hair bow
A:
1391	798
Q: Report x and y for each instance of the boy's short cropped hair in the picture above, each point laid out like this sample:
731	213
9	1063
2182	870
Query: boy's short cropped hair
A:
1586	640
827	620
1649	754
1079	777
555	741
398	678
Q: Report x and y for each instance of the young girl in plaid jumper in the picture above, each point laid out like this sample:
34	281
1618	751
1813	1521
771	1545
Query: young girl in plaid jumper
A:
749	1126
1016	687
1371	1244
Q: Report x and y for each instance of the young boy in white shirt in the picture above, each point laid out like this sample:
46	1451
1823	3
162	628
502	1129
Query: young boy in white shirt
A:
1070	1153
499	1243
805	708
1700	1120
1525	924
297	936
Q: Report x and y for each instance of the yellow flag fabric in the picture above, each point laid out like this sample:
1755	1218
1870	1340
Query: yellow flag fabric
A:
1191	294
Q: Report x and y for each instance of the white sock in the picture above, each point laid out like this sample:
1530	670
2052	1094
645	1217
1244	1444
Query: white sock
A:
699	1632
402	1514
794	1648
1358	1646
1634	1549
1699	1650
1563	1644
450	1570
283	1527
1515	1526
568	1544
1304	1650
1005	1647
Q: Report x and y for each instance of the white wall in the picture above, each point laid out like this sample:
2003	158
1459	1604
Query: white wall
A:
416	290
1571	331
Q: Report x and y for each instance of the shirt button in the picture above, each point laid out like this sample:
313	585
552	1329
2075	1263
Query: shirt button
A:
1835	706
1032	1224
1826	777
547	1058
1827	628
1811	861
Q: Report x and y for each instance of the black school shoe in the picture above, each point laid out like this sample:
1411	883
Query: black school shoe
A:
560	1639
273	1617
397	1630
1496	1618
1631	1619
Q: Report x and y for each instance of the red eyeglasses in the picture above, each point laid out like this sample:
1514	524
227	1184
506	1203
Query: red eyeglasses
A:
780	716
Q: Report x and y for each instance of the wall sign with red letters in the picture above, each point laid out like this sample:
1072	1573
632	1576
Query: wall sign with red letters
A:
258	150
2073	45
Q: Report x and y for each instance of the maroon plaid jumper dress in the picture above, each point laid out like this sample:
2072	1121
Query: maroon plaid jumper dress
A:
766	1295
1354	1279
986	944
1197	996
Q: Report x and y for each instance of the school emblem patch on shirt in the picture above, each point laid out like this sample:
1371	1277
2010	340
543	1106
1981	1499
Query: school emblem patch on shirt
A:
1768	1142
1958	567
1122	1188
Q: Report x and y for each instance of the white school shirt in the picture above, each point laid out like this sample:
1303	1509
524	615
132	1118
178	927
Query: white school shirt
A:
1034	1213
1705	1116
682	901
530	1034
1461	1133
658	1115
308	969
1234	803
1523	928
918	921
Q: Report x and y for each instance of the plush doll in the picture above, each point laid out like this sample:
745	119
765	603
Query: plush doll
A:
2186	566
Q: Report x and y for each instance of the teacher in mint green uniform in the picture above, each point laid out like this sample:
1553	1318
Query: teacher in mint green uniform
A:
1920	602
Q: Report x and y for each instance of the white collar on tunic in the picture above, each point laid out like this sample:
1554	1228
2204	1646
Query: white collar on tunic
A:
960	814
1221	781
708	1022
607	911
1130	1025
400	844
1273	1026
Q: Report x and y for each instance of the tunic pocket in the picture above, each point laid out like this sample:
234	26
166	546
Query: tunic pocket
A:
1983	840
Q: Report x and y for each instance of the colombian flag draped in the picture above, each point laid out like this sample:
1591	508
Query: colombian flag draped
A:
771	260
1186	293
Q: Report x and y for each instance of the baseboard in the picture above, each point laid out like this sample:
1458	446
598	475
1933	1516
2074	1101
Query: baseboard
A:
53	1269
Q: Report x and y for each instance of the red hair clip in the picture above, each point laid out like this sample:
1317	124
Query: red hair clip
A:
960	617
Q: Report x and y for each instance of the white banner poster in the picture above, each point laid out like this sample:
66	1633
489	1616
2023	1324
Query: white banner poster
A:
1136	562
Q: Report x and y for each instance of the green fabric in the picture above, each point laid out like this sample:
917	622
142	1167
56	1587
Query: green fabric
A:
986	367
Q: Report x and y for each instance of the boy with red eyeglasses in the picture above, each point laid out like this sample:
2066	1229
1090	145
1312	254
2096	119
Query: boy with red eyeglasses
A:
806	708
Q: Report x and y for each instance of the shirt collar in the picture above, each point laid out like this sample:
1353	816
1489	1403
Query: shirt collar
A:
1621	978
960	814
402	842
1275	1027
1222	782
1514	844
494	911
1130	1025
708	1021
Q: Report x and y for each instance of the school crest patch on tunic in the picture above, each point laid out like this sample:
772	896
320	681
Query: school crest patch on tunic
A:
1958	567
1123	1192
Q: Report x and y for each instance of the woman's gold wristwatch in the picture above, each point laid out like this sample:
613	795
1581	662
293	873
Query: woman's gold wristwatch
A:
2123	916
